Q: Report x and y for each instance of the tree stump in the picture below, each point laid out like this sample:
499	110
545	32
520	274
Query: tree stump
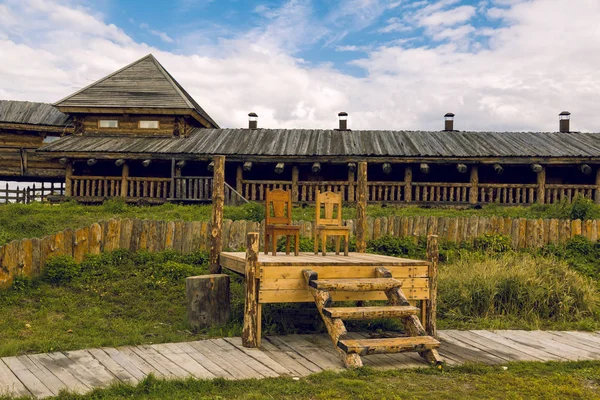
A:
207	300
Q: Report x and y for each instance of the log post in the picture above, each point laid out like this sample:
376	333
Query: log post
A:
295	192
252	308
218	201
172	191
433	256
541	186
124	179
351	184
68	180
408	184
361	208
207	300
597	195
238	178
474	195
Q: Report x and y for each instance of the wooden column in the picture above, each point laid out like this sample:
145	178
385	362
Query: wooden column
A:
433	256
597	196
252	309
239	176
68	181
541	183
218	201
295	192
207	300
361	208
474	195
172	191
408	184
124	180
350	185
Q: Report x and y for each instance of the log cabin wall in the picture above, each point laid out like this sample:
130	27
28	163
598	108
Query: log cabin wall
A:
129	124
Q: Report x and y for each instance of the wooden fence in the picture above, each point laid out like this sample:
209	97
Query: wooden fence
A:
26	195
28	256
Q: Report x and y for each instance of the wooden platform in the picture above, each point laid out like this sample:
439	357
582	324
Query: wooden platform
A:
44	375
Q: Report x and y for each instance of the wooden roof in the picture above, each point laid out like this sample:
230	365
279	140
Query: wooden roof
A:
313	143
30	113
144	83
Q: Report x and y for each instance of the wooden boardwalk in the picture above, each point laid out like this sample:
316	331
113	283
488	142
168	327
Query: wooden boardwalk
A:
44	375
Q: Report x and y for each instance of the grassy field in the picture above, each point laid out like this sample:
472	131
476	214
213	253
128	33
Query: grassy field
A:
579	380
18	221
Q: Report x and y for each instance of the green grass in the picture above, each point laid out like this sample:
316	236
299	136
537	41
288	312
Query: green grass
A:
576	380
19	221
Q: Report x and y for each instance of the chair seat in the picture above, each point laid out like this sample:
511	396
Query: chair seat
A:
332	228
283	227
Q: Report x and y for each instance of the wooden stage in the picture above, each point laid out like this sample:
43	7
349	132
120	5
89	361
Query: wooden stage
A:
80	371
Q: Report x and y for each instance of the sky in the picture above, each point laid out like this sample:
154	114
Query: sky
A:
499	65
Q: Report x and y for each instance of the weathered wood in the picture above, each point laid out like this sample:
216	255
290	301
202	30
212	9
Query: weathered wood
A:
252	309
433	256
474	181
295	173
279	167
356	285
366	313
68	181
365	347
216	244
361	208
207	300
541	189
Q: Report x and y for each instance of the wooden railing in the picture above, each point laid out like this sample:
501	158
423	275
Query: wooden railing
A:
307	191
36	192
156	188
440	192
193	188
558	193
255	190
507	193
385	191
95	186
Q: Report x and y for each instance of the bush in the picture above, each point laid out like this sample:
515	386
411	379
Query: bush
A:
249	211
516	284
61	269
492	243
397	246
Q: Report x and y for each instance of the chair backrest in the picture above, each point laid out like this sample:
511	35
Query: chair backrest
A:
278	207
332	206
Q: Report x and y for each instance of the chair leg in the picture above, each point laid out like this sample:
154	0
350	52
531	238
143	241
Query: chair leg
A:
324	243
346	240
287	245
337	245
274	243
316	243
266	244
297	245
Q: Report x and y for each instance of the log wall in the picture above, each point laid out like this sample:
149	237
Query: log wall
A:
28	257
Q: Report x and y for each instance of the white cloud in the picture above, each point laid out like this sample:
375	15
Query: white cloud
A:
535	66
450	17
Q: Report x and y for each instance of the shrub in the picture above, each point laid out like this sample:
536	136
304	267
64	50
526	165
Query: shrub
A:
249	211
397	246
583	208
492	243
61	269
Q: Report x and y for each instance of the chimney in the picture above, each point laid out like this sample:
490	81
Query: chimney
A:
449	122
565	121
343	116
252	121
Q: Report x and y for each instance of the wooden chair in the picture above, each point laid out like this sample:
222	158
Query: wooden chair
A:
328	225
278	221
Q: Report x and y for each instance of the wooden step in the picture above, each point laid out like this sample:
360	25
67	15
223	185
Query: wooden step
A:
363	313
356	285
365	347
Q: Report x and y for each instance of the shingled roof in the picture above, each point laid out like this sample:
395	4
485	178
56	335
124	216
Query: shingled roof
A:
30	113
326	143
144	83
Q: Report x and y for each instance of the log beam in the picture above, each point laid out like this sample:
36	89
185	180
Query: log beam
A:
387	168
295	191
124	180
361	208
424	167
279	168
499	169
462	168
218	201
181	164
351	179
239	177
541	182
474	180
248	166
585	169
536	168
68	181
146	163
91	161
316	168
408	183
352	167
120	162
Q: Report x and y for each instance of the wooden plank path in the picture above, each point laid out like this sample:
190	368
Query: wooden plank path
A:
80	371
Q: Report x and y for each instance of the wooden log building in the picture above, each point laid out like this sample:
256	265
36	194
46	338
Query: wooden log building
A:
138	135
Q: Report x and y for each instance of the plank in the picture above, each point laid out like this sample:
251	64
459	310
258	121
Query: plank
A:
484	345
515	336
69	380
125	362
582	352
283	358
578	342
158	362
49	380
340	271
467	352
236	369
365	313
179	357
244	358
84	359
388	345
141	364
81	373
111	365
535	353
31	382
279	284
292	353
9	383
304	296
259	356
394	361
310	351
356	285
206	362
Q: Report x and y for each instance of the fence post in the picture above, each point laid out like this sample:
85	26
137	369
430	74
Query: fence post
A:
252	308
218	199
361	208
433	256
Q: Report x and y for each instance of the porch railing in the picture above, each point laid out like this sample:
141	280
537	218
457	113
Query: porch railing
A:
507	193
441	192
558	193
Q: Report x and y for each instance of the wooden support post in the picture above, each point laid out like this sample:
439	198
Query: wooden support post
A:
252	308
239	176
207	300
361	208
295	192
125	180
474	195
172	191
218	201
541	183
433	256
597	196
68	180
408	184
351	184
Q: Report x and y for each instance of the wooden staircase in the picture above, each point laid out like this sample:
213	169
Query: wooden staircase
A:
350	350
